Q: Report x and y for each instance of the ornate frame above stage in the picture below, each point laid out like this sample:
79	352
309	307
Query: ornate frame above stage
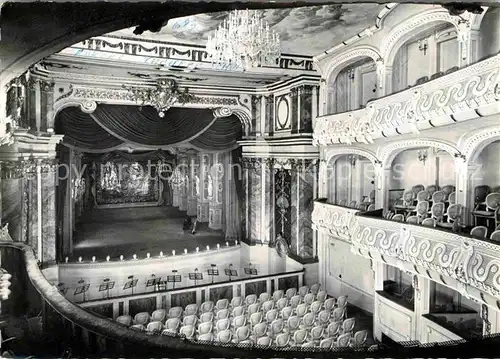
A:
88	97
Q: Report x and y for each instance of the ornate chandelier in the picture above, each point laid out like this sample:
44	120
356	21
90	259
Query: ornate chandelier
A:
163	96
245	40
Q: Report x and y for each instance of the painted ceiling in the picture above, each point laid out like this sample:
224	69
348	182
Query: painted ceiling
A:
303	31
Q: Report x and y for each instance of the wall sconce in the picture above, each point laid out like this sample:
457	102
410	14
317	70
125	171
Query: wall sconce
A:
227	244
108	258
235	243
93	258
134	256
422	46
185	251
173	252
208	248
148	255
352	160
350	74
197	249
121	257
80	259
161	253
66	259
218	246
422	156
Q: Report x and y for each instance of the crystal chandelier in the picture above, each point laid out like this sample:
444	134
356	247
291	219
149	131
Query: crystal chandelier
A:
163	96
245	40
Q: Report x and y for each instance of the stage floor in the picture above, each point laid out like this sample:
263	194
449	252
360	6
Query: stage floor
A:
139	230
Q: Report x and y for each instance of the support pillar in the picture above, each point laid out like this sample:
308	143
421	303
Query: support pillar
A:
267	201
421	286
183	185
205	185
253	189
379	275
191	188
216	205
231	211
382	176
464	191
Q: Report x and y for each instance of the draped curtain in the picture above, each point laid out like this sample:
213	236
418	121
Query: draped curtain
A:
110	126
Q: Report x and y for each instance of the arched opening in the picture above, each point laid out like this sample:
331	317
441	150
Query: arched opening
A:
421	174
426	55
353	86
485	180
489	33
351	181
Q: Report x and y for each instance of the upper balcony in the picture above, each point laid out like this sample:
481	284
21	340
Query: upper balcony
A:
462	95
467	263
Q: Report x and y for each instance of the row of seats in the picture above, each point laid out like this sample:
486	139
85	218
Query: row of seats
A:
305	318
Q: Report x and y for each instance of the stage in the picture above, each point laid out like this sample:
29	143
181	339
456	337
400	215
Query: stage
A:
139	230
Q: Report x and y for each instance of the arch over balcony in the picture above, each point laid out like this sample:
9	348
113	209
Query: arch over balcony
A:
388	153
471	145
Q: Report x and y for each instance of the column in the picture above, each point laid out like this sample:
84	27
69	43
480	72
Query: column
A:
47	209
192	196
15	190
464	42
267	200
232	214
382	81
217	184
254	208
387	84
379	274
176	195
315	105
205	186
382	176
183	184
256	115
47	103
302	206
464	191
421	286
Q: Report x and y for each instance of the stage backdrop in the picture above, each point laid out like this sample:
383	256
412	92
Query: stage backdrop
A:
126	179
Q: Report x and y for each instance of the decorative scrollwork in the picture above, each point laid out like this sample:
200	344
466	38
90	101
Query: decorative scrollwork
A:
222	112
88	106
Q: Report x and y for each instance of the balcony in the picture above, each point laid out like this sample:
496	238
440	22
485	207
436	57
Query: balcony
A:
467	263
444	100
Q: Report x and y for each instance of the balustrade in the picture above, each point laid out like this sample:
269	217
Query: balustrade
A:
463	91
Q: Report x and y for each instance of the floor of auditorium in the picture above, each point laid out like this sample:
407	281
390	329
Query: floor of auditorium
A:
139	230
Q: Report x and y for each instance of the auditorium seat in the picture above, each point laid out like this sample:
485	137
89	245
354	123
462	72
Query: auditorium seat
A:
191	309
250	299
190	320
338	313
236	302
307	345
253	308
323	318
348	325
204	328
255	318
159	315
326	343
299	337
316	334
290	292
138	327
333	329
301	310
222	314
222	324
237	311
286	312
207	306
222	304
308	298
264	297
342	301
329	303
303	291
175	312
208	338
172	325
155	326
277	295
282	340
495	236
276	328
259	331
141	318
264	342
239	321
343	340
267	305
359	338
271	315
224	336
479	231
308	321
207	317
281	303
241	334
125	320
316	307
295	301
315	288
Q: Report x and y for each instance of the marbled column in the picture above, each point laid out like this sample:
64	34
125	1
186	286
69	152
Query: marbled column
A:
254	190
231	212
47	103
176	195
12	205
217	183
48	204
191	197
204	199
183	189
303	180
267	201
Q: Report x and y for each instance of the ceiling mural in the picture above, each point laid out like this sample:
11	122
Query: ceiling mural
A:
305	31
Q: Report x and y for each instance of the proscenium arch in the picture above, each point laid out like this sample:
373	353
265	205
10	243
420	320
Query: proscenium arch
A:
388	153
471	145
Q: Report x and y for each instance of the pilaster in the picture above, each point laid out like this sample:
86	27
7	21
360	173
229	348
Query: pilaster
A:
253	189
217	184
206	188
192	185
379	275
183	185
421	287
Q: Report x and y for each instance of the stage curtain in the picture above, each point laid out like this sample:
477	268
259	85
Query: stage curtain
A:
82	131
143	126
121	156
222	135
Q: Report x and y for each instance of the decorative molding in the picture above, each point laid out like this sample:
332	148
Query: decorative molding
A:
27	168
467	89
485	318
88	97
338	62
390	151
334	152
222	112
472	144
333	220
407	27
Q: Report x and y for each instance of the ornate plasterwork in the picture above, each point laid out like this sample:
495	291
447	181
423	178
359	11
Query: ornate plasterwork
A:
472	144
27	168
338	62
334	153
470	88
390	151
334	220
388	46
469	261
88	98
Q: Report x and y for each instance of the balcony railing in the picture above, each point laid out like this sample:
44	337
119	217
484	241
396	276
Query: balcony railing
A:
470	262
467	89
